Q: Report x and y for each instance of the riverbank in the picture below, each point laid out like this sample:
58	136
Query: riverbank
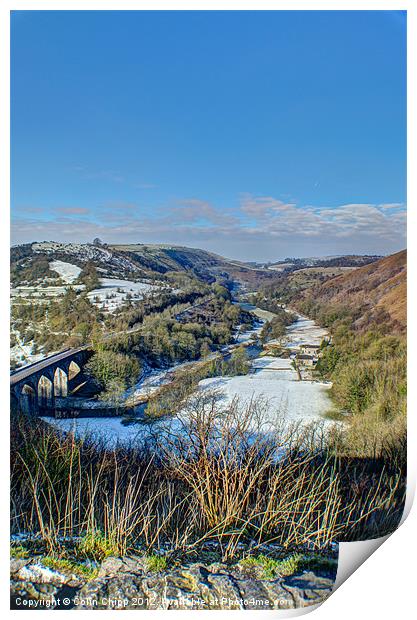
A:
273	380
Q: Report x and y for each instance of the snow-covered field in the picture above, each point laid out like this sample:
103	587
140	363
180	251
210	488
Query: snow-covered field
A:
112	430
304	331
273	382
39	292
284	396
268	362
276	382
113	293
67	271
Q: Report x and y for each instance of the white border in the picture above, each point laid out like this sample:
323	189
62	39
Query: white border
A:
366	591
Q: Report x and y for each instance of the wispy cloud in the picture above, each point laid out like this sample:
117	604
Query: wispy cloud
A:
391	205
262	227
264	207
285	219
73	210
200	211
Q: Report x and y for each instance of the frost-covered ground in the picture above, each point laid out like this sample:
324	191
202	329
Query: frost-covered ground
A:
112	430
246	336
154	380
67	271
275	364
88	252
275	381
113	293
304	331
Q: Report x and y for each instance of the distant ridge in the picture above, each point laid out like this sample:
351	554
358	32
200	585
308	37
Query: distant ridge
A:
379	290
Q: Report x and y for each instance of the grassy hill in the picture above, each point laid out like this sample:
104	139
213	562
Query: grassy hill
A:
375	293
364	309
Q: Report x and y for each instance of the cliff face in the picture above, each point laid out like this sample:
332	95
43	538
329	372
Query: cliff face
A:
379	290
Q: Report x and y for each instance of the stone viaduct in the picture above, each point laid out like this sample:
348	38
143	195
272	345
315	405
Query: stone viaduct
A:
35	387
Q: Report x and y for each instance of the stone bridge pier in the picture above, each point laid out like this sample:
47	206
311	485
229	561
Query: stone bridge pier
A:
35	387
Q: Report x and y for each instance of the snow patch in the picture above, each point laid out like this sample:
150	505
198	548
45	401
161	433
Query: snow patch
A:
67	271
40	574
40	293
111	429
87	252
113	293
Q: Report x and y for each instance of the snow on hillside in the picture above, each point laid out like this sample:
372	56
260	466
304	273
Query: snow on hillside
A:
114	293
86	252
67	271
42	293
21	353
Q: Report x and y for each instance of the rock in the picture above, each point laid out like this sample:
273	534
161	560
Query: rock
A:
31	581
17	563
126	583
111	566
120	592
308	588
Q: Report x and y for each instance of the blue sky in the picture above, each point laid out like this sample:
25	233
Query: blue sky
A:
257	135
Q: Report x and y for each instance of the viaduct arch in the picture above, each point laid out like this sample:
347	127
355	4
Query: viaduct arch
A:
35	387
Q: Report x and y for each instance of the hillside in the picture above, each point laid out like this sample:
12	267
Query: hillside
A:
375	293
206	265
31	263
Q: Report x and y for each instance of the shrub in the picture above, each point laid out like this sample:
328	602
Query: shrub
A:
156	563
109	367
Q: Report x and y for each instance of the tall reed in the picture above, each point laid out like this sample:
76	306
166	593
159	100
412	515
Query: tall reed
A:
226	474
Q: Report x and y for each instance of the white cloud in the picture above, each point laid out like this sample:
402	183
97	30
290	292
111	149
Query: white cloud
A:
281	219
391	205
264	228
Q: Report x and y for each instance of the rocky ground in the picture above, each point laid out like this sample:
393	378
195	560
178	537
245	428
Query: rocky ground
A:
127	583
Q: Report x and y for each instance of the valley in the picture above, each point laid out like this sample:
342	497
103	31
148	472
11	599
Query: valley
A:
237	395
188	316
287	396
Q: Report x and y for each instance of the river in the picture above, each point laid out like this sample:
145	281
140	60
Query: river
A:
272	380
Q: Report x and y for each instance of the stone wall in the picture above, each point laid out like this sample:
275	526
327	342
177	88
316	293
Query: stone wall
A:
127	583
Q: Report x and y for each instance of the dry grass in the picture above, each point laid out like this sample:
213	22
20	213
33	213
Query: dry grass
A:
223	476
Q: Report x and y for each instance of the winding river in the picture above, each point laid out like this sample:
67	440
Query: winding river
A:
272	380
